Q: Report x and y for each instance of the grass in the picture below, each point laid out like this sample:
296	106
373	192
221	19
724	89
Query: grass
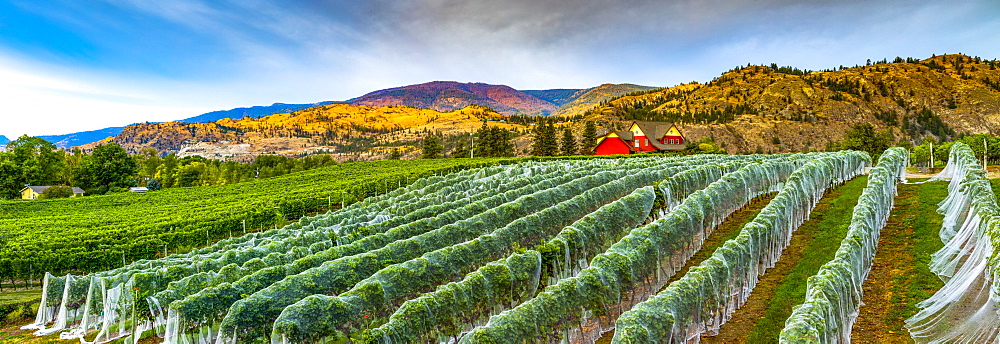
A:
814	243
900	276
827	230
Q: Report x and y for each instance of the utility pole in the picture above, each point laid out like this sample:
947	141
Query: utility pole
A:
932	157
473	153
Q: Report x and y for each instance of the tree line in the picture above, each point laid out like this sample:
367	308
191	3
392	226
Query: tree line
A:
109	168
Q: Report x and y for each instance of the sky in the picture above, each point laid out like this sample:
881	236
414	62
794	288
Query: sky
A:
69	65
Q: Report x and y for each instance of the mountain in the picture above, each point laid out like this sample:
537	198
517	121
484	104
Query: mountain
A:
4	140
343	129
253	112
582	100
557	96
785	109
86	137
82	138
451	96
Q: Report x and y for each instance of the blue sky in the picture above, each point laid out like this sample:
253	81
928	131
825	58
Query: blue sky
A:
68	66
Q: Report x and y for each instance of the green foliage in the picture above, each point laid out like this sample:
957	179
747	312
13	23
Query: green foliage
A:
544	141
460	151
568	144
108	167
863	137
140	224
431	147
493	142
30	161
57	192
153	185
589	141
704	145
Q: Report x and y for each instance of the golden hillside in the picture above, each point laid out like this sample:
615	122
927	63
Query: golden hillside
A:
781	109
347	130
765	109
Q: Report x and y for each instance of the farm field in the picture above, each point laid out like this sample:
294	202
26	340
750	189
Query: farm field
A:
734	249
100	232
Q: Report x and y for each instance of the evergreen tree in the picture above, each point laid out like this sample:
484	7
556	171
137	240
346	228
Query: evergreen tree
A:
543	140
589	138
395	154
493	142
154	185
460	150
431	147
568	142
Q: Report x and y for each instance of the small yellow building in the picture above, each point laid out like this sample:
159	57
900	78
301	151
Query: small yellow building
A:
34	192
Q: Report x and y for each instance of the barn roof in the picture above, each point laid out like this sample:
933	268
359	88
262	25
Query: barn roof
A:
40	189
654	129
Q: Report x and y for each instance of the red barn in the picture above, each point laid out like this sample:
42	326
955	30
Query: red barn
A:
642	137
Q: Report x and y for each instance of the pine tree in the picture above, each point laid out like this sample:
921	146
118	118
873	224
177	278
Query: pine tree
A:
431	147
589	138
568	142
545	143
460	150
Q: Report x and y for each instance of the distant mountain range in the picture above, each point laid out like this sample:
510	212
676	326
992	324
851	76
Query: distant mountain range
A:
85	137
253	112
753	109
437	95
451	96
4	140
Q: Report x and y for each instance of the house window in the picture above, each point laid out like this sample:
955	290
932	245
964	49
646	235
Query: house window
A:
636	143
646	142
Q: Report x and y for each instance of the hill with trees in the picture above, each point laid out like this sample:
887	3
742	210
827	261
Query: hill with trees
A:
784	109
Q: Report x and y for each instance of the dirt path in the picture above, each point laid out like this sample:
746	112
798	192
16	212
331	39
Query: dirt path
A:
900	277
762	317
725	231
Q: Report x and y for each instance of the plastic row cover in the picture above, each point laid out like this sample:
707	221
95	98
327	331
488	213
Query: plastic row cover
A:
833	295
704	298
965	309
83	296
250	318
635	266
456	306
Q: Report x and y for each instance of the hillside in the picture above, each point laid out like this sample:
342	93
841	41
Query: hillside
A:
558	96
91	136
782	109
253	112
83	137
583	100
451	95
345	130
752	109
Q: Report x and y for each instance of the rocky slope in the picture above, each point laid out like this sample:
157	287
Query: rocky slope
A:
782	109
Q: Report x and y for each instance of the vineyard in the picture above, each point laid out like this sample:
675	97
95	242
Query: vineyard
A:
575	251
104	232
